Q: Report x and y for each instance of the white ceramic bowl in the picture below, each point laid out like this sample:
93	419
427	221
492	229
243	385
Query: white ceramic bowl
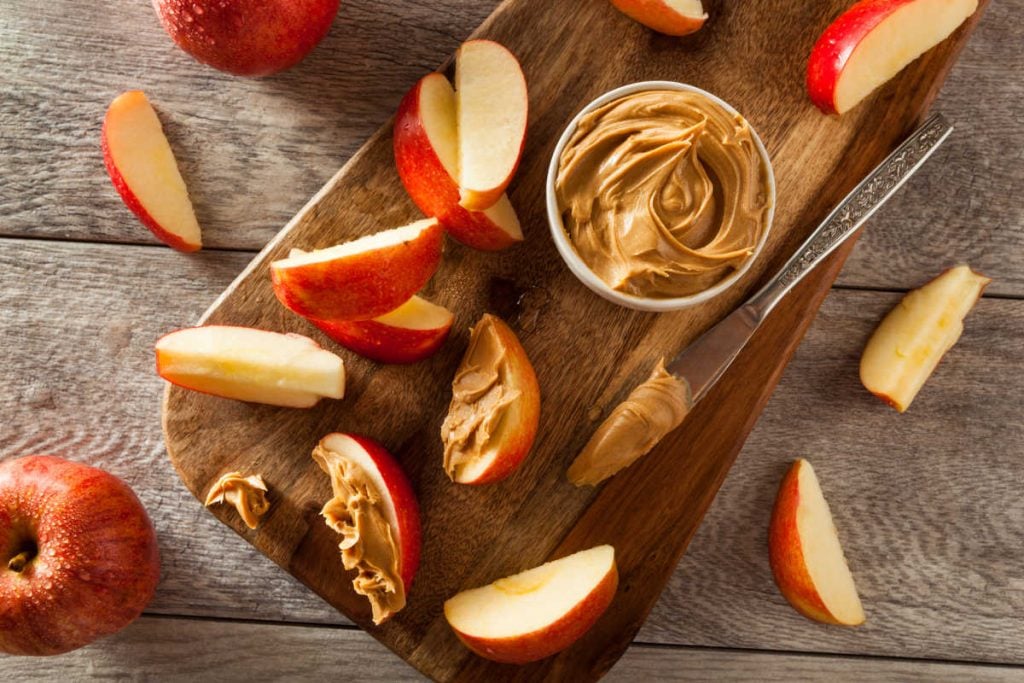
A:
580	268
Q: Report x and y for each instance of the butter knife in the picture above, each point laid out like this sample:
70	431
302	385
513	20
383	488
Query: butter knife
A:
703	362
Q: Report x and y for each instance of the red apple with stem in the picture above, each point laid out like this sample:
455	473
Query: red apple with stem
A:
78	555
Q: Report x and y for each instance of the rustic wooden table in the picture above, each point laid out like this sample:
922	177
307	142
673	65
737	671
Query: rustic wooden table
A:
928	503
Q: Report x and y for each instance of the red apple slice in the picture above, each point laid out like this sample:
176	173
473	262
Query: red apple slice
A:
536	613
362	279
909	343
873	41
427	157
671	17
495	409
806	557
144	172
491	105
391	487
413	331
250	365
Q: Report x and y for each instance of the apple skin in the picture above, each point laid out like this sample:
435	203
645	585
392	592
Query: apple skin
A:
555	637
127	195
97	565
432	186
403	498
785	554
658	16
251	38
384	343
832	51
360	286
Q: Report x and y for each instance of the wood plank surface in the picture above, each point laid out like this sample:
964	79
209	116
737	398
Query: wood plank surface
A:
472	536
235	651
254	151
954	593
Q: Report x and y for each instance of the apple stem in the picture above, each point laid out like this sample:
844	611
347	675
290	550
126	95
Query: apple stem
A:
18	562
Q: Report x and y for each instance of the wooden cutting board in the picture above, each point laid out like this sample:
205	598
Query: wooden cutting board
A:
587	352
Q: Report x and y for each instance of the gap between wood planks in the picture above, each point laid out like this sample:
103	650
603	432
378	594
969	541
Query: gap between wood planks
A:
241	250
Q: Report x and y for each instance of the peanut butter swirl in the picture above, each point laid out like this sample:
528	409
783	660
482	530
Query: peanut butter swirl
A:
247	494
368	545
663	193
633	428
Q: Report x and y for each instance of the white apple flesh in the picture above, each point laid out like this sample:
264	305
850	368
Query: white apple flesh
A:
251	365
874	40
491	103
806	557
538	612
907	346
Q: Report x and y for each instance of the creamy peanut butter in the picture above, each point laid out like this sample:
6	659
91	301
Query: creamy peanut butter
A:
651	411
481	398
368	544
247	494
663	193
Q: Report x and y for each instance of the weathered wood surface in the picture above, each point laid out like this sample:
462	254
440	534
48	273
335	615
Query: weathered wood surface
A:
77	323
255	151
246	652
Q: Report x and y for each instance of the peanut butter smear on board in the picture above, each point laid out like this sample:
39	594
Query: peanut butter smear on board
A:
247	494
368	546
651	411
663	193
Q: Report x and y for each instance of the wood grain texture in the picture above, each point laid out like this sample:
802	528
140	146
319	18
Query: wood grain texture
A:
234	651
474	536
946	474
254	151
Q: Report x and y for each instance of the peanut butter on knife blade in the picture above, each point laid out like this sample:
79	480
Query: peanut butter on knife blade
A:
633	428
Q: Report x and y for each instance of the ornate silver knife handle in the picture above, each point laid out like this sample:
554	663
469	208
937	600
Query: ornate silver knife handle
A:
854	210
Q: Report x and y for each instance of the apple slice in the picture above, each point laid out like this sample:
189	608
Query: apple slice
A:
671	17
806	558
371	489
491	105
427	157
362	279
413	331
538	612
250	365
873	41
495	408
911	340
144	172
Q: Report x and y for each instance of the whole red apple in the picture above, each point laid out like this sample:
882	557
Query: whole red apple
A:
78	555
247	37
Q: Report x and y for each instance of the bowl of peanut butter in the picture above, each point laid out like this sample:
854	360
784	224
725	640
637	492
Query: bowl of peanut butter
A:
660	196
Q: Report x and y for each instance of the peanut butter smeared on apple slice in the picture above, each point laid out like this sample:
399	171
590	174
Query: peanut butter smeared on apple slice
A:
651	411
247	494
492	418
368	545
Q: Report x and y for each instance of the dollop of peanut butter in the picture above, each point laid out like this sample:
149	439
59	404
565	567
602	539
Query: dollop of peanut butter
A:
481	397
663	193
633	428
247	494
368	544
